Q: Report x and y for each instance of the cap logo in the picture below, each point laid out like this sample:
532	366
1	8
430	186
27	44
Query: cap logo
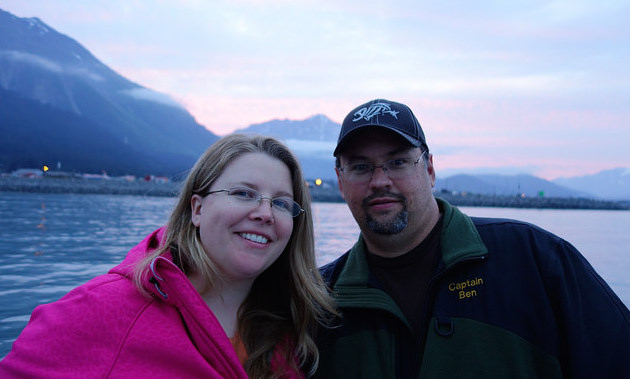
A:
375	109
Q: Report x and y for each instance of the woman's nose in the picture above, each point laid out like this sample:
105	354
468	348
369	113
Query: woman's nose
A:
263	210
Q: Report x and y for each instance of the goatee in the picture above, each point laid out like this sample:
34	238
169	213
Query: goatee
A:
391	226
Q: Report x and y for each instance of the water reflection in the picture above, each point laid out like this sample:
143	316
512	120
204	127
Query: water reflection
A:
335	231
50	243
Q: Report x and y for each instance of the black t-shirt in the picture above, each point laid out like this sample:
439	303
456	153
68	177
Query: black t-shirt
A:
406	279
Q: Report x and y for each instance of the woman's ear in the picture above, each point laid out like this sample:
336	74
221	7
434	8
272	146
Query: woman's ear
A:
195	208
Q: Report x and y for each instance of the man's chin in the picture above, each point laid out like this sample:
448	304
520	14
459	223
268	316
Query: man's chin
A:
387	225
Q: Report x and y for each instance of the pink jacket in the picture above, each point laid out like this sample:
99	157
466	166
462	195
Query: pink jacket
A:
106	329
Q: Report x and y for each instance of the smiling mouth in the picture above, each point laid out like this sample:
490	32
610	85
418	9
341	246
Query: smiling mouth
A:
254	237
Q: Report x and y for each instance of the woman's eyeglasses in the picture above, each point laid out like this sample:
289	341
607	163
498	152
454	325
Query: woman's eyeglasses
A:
248	196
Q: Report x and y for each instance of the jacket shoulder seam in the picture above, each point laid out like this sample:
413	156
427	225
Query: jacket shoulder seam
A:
123	340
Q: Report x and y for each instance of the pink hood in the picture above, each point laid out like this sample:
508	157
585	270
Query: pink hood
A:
106	328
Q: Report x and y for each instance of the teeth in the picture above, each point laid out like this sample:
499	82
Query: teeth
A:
254	237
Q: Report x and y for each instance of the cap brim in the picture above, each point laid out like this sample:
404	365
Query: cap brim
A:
344	140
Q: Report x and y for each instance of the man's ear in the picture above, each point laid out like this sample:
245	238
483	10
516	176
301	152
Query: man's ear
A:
339	183
431	170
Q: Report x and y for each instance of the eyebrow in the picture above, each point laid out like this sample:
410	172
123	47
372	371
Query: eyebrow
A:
256	188
389	154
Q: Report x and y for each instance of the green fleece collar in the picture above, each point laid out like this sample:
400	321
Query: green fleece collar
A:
460	240
351	289
356	271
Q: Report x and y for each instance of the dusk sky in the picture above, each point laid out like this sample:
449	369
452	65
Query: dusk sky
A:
538	87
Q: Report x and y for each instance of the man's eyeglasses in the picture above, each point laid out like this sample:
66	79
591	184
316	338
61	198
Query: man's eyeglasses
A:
248	196
398	168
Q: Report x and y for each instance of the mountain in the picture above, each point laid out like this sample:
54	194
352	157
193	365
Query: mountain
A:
313	140
506	185
315	128
611	184
61	106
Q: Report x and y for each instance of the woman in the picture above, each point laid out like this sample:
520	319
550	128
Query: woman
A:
229	288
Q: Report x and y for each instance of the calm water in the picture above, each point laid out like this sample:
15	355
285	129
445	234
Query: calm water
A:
50	243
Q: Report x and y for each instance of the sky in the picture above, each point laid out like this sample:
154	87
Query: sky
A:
508	87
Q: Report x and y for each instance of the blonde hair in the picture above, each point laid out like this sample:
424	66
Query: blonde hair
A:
289	299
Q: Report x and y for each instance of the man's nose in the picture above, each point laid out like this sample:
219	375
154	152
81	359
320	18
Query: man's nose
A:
380	176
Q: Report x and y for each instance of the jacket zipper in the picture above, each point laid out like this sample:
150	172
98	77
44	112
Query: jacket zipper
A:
429	302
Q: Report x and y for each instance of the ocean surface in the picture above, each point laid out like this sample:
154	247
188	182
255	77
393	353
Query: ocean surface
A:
50	243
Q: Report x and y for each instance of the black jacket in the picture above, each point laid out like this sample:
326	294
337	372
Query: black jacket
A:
509	300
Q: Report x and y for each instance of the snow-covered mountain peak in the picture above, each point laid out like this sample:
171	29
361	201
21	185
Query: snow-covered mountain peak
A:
39	25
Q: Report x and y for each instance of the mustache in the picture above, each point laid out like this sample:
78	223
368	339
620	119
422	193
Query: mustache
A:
376	195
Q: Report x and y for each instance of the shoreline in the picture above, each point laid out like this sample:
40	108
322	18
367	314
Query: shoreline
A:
328	193
89	186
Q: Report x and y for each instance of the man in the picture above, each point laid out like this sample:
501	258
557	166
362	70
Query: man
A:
430	292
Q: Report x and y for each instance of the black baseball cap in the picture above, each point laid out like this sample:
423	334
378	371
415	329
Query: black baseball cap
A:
386	114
